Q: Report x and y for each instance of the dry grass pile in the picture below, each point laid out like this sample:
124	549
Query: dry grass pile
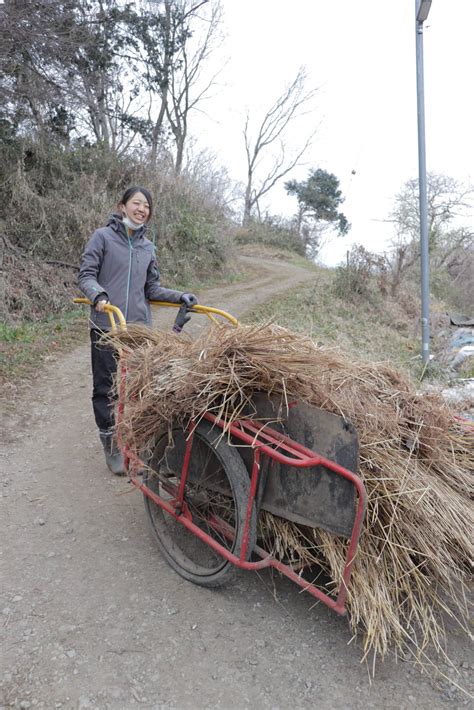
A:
415	459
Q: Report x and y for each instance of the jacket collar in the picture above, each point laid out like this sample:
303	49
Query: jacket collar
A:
116	223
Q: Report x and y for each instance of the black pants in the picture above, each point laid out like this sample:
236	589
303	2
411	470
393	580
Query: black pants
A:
104	367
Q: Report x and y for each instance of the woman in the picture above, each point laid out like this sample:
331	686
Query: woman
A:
118	266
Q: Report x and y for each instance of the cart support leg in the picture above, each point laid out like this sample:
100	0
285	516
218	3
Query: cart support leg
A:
250	504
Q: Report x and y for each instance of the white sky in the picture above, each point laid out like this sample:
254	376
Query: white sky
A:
361	56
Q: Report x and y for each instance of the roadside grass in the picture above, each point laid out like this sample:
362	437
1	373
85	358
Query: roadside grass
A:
25	347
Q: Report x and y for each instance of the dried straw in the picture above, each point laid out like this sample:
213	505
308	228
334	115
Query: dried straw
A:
416	461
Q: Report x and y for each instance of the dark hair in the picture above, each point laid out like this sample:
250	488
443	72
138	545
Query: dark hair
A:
128	194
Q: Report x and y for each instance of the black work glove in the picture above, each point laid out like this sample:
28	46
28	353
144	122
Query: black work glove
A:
102	296
189	299
181	319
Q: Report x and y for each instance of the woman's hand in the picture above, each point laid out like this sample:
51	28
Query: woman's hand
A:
189	299
100	305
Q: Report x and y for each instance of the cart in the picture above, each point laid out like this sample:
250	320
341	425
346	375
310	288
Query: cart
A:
203	489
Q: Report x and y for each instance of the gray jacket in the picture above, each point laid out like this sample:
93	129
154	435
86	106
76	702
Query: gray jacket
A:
123	269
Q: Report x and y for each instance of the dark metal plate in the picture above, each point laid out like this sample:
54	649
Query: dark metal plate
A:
313	496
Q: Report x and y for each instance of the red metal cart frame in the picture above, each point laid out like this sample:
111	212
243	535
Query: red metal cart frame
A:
264	441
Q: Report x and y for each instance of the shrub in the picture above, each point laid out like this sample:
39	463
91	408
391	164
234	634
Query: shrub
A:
56	198
363	276
191	228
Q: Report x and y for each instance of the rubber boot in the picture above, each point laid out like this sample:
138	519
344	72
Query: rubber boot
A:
113	457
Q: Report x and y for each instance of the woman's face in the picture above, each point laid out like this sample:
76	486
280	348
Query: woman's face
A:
136	208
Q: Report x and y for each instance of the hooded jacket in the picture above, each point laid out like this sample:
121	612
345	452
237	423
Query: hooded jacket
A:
124	270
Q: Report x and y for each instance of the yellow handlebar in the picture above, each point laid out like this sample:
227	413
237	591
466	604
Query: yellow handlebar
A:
206	310
114	311
110	310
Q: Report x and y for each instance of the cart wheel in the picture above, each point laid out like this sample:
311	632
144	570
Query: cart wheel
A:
216	496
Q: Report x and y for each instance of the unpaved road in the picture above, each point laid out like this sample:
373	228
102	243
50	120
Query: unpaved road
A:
92	616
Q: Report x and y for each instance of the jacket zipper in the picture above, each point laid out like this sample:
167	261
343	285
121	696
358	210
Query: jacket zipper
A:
130	249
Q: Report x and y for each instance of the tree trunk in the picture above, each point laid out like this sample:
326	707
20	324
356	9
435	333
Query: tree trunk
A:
247	202
155	136
164	86
179	153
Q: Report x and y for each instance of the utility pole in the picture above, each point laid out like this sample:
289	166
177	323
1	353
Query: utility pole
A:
422	8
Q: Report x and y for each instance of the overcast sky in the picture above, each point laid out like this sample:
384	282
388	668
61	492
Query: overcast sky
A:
361	56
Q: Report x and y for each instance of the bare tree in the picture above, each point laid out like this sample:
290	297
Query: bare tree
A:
64	71
178	37
103	86
157	53
448	202
77	67
34	41
187	86
292	103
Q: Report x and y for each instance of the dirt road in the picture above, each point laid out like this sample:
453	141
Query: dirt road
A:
92	616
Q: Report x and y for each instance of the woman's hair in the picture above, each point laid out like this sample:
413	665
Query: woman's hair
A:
128	194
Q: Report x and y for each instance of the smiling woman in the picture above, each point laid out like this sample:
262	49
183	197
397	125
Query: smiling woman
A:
136	207
118	265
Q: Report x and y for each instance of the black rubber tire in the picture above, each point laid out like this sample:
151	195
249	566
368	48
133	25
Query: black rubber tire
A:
218	485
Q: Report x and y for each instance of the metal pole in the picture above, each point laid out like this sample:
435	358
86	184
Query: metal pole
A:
424	245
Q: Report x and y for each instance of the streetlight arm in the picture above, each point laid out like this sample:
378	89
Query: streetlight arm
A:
423	11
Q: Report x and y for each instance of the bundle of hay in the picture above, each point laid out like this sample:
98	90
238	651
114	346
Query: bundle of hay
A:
415	461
